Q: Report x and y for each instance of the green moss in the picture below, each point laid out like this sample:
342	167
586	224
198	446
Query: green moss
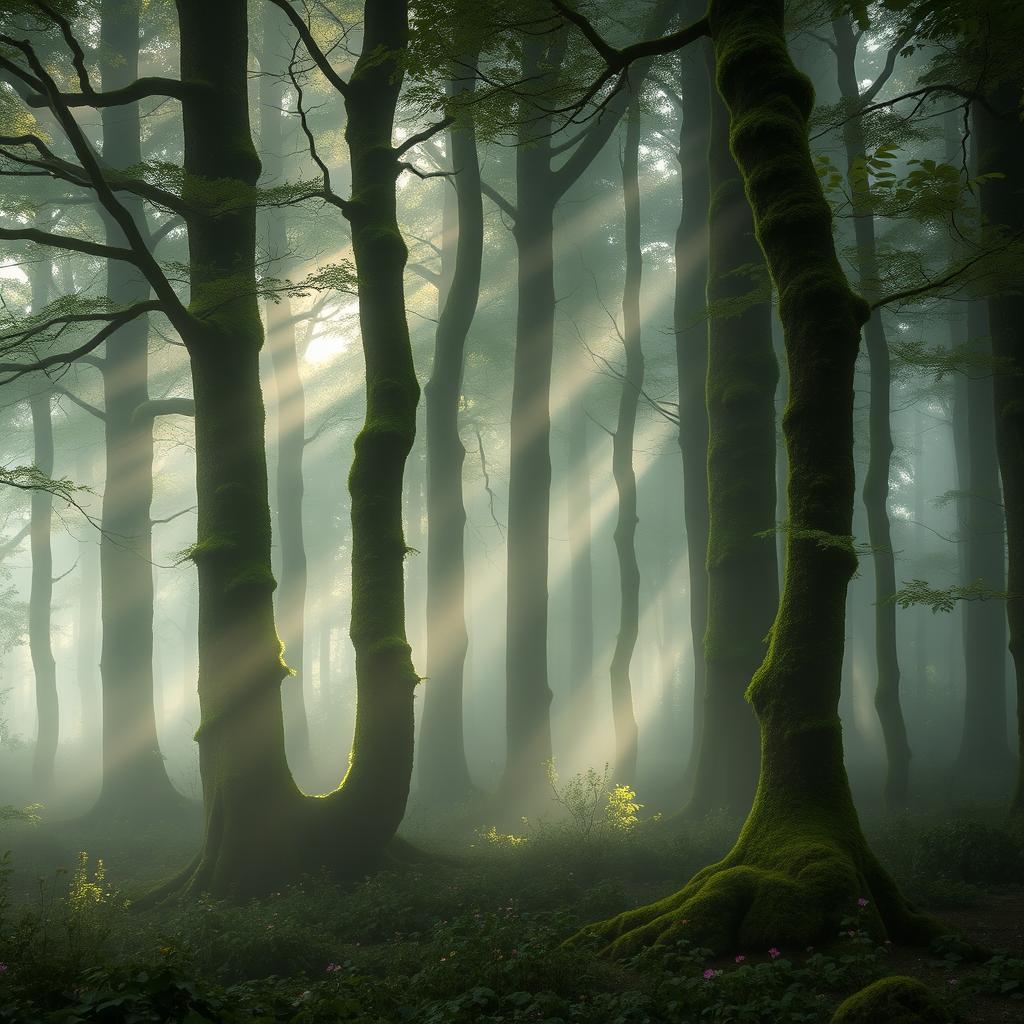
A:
213	544
253	576
893	1000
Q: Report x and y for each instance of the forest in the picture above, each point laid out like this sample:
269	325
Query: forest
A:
511	512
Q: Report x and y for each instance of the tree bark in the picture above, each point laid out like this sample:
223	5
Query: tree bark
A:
291	404
742	570
691	255
1000	140
135	783
443	772
876	481
40	600
622	464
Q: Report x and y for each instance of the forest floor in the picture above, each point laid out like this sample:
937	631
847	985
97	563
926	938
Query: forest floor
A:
475	936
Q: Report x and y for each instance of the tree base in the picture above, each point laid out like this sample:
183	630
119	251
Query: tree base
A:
792	887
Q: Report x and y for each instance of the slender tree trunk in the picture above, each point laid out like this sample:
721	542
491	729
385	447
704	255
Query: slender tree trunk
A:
41	593
743	580
539	186
581	568
135	783
443	773
622	465
876	481
528	722
1000	141
291	402
691	254
86	623
801	861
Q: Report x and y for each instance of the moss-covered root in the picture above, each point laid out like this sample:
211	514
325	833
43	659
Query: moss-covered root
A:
798	893
894	1000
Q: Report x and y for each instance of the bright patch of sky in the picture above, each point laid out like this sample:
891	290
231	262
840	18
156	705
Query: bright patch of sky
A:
335	338
12	272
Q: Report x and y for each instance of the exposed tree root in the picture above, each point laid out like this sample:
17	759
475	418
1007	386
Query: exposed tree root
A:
792	886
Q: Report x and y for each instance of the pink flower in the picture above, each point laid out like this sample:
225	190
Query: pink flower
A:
774	953
862	902
739	959
709	974
3	968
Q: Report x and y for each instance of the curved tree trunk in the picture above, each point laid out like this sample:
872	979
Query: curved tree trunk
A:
742	570
622	465
1000	140
691	255
135	783
801	861
261	832
876	481
443	773
291	404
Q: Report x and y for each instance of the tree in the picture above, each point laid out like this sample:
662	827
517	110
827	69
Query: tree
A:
622	461
135	785
801	860
540	184
291	403
260	831
741	562
876	481
443	772
691	245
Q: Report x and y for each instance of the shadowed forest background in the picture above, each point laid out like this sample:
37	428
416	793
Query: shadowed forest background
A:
511	512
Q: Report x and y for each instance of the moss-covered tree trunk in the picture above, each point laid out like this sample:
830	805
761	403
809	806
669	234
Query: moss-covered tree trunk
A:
801	861
135	783
876	480
742	571
261	832
691	254
291	400
622	463
1001	152
376	787
443	773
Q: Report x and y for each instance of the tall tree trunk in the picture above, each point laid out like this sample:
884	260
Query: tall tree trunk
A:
528	722
41	593
691	256
260	830
801	861
743	580
443	772
86	623
876	481
622	464
135	783
291	402
983	763
1000	141
581	567
539	186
